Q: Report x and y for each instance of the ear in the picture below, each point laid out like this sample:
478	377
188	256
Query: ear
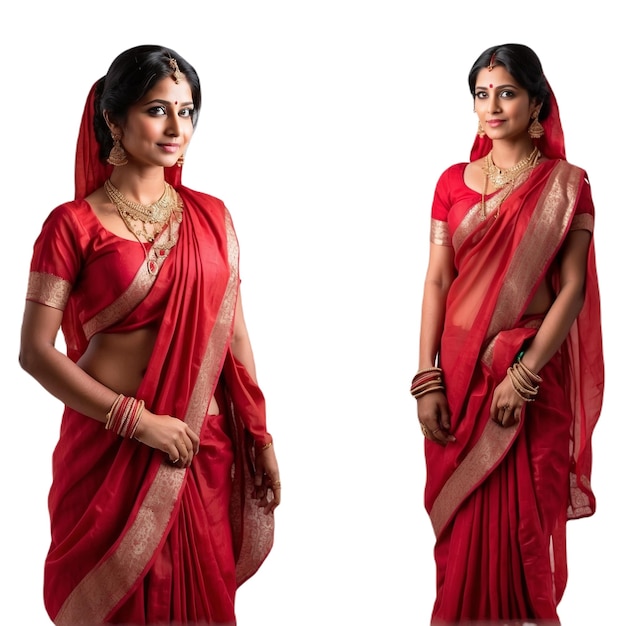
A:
113	127
535	108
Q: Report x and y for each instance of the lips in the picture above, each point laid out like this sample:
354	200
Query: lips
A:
170	147
495	123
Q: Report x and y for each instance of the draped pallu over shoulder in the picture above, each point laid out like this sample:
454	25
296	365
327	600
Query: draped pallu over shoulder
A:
135	539
500	264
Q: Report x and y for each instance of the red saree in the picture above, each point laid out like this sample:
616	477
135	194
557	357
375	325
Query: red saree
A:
136	540
499	498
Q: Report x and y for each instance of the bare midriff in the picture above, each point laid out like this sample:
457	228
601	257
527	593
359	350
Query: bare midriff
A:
120	360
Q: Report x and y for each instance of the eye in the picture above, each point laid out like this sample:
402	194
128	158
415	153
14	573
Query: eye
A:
480	95
156	111
186	112
507	93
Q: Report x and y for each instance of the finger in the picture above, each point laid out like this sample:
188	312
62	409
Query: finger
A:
276	493
442	436
438	434
195	441
445	421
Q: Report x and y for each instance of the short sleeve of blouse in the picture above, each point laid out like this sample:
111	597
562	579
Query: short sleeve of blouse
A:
56	259
585	212
442	201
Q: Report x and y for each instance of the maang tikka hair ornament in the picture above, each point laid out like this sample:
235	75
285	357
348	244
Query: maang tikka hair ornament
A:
492	60
176	73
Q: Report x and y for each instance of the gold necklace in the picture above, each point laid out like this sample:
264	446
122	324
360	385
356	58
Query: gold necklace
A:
157	212
158	217
501	177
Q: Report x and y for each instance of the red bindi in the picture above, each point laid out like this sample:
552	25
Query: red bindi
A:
176	102
490	86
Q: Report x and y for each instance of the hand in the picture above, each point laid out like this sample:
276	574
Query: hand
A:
267	480
506	406
170	435
433	414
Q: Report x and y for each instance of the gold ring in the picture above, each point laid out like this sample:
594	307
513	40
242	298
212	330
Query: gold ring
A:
424	429
276	484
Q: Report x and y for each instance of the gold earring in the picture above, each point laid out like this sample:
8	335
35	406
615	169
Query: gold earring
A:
117	156
481	131
180	160
535	130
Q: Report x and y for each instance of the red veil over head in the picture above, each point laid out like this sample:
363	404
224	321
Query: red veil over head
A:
90	172
551	144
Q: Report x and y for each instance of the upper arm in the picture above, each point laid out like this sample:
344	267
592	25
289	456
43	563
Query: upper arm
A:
573	266
441	270
240	330
40	327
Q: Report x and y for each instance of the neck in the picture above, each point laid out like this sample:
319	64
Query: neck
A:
143	186
506	155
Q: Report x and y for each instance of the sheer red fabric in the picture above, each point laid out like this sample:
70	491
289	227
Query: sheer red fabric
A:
499	498
135	540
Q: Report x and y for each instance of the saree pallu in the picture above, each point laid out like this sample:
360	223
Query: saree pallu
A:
136	540
498	498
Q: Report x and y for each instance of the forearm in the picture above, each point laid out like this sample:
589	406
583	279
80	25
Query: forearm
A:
554	328
433	314
67	382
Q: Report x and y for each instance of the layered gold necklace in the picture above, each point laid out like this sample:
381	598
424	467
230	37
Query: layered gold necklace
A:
147	221
500	178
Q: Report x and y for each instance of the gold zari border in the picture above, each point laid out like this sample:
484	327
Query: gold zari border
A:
106	585
547	227
48	289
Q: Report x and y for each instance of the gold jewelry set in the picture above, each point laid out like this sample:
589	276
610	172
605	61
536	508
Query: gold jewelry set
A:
501	178
147	221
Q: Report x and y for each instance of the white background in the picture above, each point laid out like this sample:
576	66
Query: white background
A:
324	128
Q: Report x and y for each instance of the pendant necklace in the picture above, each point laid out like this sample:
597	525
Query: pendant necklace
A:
500	178
158	215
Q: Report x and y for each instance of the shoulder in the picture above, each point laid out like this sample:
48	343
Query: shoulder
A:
573	172
454	172
450	182
72	216
201	199
574	183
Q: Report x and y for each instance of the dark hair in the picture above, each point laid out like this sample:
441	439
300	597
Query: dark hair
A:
523	64
131	75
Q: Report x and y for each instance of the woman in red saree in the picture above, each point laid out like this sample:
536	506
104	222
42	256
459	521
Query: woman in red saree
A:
164	476
510	379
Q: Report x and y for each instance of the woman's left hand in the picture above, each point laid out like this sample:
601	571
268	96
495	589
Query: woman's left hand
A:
267	485
506	406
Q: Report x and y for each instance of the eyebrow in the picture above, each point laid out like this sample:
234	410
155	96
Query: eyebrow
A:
166	102
499	87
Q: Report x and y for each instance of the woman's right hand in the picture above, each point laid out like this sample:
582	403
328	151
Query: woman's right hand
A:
170	435
433	414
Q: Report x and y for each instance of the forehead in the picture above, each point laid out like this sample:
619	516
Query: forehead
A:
497	76
170	91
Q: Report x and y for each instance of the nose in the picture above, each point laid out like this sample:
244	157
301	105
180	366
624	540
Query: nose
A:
173	126
494	103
